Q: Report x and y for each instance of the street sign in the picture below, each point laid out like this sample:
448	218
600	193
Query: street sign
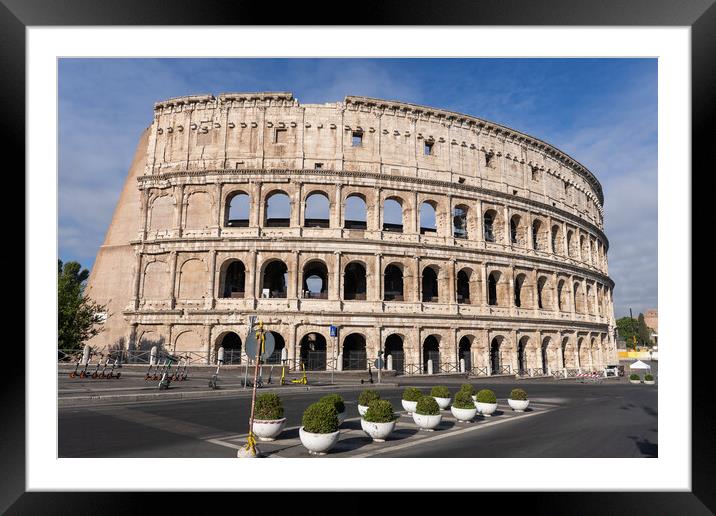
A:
333	330
378	363
252	345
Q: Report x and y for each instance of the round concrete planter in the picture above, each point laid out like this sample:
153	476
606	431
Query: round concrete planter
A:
649	382
427	422
474	397
409	406
518	405
318	444
462	414
443	403
377	431
268	429
362	409
486	409
634	381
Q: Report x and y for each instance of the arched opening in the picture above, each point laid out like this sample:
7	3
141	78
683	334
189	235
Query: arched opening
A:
354	283
590	300
392	216
541	298
522	356
428	222
463	286
464	351
584	353
488	223
278	210
431	351
492	281
546	366
556	240
318	212
561	296
280	343
313	352
571	251
232	344
394	348
234	280
515	231
536	243
354	353
578	299
496	356
355	217
430	285
583	249
393	283
237	210
275	279
565	350
519	282
315	280
459	221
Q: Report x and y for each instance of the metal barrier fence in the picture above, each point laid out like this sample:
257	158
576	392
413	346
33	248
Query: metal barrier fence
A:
479	371
506	369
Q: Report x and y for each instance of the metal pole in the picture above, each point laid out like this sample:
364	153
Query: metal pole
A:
251	441
335	359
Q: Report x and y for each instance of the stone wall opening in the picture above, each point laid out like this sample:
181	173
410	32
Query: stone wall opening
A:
354	282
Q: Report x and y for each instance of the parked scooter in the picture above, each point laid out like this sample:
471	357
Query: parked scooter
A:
214	380
104	369
111	371
166	378
150	375
95	374
183	374
75	374
83	373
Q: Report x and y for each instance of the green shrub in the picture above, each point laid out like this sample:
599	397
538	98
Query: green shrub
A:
463	400
336	400
486	396
634	377
268	406
379	411
412	394
518	394
648	378
467	387
367	396
427	406
320	418
440	391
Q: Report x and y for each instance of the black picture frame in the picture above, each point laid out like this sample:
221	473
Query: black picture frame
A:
699	15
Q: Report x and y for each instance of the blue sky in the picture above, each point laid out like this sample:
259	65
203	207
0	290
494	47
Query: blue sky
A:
602	112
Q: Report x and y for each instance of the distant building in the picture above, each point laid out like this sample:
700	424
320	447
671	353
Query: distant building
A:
651	318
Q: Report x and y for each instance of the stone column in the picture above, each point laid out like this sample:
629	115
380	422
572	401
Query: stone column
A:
292	347
211	283
514	358
336	287
172	278
293	287
418	295
137	279
180	202
297	207
564	239
252	275
207	343
485	285
535	297
377	295
337	208
256	208
217	208
508	234
572	297
511	294
555	293
452	279
144	215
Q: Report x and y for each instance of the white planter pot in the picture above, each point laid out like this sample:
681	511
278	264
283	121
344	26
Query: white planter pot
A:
341	417
362	409
318	444
474	397
649	382
518	405
377	431
462	414
409	406
486	409
443	403
268	429
427	422
634	381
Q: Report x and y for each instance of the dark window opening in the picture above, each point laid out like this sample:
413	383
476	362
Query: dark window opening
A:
318	166
513	231
235	279
281	136
492	289
427	218
518	290
315	281
430	285
431	351
313	352
463	287
392	216
489	221
278	211
357	139
354	283
354	353
428	148
275	280
459	222
393	284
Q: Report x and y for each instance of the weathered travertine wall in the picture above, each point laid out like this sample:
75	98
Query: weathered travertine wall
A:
518	280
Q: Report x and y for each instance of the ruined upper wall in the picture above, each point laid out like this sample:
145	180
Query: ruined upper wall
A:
273	131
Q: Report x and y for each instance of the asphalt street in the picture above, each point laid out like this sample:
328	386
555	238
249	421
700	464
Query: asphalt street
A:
565	419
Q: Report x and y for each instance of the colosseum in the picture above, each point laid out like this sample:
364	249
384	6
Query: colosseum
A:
444	241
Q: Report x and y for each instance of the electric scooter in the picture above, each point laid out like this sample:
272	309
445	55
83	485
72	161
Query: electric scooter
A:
83	373
213	381
104	369
149	375
183	375
111	371
176	377
166	378
75	374
95	374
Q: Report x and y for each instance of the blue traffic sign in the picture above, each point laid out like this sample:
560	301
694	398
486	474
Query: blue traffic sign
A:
333	330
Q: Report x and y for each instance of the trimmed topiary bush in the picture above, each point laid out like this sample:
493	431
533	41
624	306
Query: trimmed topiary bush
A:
467	387
486	396
412	394
463	400
518	394
634	377
379	411
648	378
440	391
320	418
427	406
268	406
336	400
367	396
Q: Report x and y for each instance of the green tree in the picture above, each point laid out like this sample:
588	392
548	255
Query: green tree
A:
644	334
628	328
78	316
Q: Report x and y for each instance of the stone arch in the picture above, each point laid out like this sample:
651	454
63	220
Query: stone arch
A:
356	211
232	279
498	358
274	278
497	289
394	346
578	299
523	291
544	294
393	282
313	350
393	214
556	243
430	284
162	213
150	338
523	354
236	209
585	359
428	217
548	355
354	350
562	300
590	299
198	210
192	279
431	351
571	244
156	281
277	209
569	353
517	232
492	226
188	340
461	223
464	350
465	286
315	279
318	210
539	235
354	281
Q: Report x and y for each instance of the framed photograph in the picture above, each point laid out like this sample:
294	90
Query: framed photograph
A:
320	242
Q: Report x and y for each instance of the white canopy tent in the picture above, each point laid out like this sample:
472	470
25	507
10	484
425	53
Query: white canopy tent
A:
639	365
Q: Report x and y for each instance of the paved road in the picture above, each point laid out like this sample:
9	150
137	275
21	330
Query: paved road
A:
613	419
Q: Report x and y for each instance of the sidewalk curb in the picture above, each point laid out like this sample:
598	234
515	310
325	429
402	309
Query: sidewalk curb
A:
83	400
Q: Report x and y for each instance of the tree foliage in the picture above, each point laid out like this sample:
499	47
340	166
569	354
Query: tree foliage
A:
630	328
79	317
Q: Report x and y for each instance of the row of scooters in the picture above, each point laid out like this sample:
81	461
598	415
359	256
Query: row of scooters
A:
84	373
163	371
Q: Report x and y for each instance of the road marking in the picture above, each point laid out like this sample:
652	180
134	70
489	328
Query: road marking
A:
449	434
